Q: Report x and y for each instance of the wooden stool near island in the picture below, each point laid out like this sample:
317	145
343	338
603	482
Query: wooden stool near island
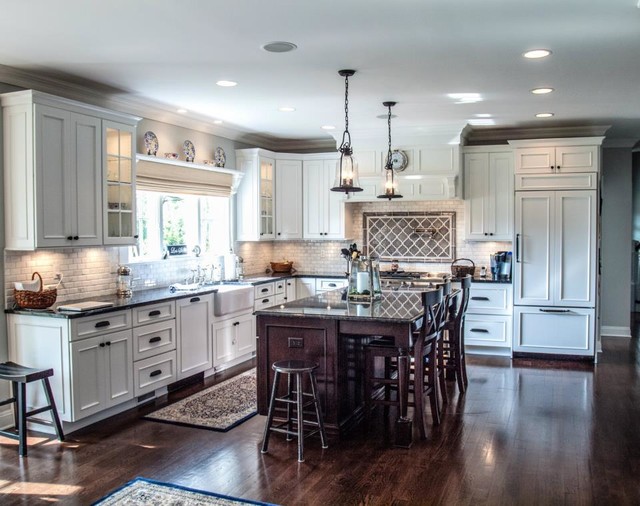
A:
452	344
425	367
19	376
295	403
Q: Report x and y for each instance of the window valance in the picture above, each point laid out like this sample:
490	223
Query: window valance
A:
170	176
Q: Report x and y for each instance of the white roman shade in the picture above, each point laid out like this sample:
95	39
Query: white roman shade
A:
169	176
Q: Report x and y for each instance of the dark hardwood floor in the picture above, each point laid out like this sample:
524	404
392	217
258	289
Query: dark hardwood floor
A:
527	432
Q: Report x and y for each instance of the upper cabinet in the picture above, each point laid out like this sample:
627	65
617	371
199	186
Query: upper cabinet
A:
557	156
55	172
488	181
255	206
288	204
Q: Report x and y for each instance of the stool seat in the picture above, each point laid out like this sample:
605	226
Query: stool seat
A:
294	366
19	376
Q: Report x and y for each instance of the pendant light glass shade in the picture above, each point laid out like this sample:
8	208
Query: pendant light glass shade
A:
389	181
347	168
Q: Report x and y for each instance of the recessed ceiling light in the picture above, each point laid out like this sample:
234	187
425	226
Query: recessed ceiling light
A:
286	109
481	121
536	53
541	91
482	115
182	111
544	115
226	84
465	98
217	122
279	46
328	127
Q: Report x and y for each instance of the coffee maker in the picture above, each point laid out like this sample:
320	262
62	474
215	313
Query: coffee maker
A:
501	265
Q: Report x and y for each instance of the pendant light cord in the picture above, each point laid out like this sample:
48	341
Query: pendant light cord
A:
346	133
389	166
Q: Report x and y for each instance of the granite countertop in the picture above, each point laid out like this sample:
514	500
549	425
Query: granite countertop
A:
394	306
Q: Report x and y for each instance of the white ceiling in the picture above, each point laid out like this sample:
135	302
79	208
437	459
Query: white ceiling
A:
414	52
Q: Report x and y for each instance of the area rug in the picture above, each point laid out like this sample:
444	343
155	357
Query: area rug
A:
143	491
219	407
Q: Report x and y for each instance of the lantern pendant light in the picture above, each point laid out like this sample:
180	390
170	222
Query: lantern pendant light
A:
390	184
347	168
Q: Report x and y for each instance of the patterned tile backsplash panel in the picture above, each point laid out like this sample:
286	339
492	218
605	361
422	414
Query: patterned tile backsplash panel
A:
417	236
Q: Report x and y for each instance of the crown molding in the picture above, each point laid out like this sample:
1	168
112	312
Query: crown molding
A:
479	136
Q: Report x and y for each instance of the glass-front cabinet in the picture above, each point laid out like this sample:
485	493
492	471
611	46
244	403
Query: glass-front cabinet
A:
266	198
119	183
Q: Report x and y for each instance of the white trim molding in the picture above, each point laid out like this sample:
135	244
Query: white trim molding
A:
611	331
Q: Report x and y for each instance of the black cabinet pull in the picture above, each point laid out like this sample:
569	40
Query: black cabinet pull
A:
155	339
264	290
101	345
517	247
155	373
555	310
483	331
75	238
69	238
479	298
136	236
264	301
155	312
333	285
102	324
108	343
236	323
194	299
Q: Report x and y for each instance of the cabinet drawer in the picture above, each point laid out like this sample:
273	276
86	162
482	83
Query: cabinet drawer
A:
154	372
487	330
324	285
100	324
154	312
153	339
491	300
265	290
264	302
280	286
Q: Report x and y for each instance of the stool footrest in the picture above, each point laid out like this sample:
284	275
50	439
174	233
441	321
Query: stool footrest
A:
37	411
10	433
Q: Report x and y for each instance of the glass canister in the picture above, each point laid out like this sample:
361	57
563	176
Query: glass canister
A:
124	282
364	279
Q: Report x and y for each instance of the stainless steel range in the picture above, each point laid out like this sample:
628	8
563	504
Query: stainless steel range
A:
403	280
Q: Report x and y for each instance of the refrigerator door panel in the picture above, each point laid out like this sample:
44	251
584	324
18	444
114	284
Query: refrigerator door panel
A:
554	330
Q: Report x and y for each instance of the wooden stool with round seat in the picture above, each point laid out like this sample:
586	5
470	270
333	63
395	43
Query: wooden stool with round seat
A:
19	376
294	400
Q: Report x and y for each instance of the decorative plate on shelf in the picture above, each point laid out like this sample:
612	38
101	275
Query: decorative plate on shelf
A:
189	151
399	160
150	143
219	157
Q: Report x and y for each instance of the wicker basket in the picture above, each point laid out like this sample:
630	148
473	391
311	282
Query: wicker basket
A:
281	266
460	271
42	299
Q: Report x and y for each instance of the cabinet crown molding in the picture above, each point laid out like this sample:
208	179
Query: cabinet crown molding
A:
558	141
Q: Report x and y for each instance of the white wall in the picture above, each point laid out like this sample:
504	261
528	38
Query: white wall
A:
616	248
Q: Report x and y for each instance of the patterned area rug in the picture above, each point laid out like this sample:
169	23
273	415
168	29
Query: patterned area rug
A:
142	491
220	407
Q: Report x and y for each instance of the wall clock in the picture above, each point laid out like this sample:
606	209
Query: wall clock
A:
399	160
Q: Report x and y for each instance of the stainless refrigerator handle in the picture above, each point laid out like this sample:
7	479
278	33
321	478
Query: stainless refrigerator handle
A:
517	247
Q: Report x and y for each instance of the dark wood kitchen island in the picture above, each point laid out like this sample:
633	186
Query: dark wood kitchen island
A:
332	332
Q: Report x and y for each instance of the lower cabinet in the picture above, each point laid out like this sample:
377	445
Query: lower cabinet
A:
305	287
234	337
193	321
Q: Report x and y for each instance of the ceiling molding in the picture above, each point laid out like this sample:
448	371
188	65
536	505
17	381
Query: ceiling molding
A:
480	136
124	101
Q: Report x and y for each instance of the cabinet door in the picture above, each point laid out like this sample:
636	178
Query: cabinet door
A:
500	202
224	335
118	354
535	160
288	199
245	334
334	204
305	287
575	248
119	178
315	199
89	376
576	159
267	222
476	183
535	244
193	321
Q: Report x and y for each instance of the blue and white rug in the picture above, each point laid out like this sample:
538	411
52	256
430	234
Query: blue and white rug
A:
145	492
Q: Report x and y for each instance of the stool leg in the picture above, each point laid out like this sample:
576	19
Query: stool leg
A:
16	407
22	419
299	408
289	408
267	427
52	405
316	402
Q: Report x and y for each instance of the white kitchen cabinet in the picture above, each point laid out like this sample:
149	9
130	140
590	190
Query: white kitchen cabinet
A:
194	344
488	181
53	165
288	199
557	156
234	338
324	213
328	284
555	248
290	290
255	197
102	372
305	287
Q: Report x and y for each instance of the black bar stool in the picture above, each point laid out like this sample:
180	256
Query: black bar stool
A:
295	398
19	376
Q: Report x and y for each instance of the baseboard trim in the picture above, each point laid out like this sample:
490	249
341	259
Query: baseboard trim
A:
611	331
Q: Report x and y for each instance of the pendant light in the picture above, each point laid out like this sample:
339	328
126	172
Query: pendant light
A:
347	168
390	185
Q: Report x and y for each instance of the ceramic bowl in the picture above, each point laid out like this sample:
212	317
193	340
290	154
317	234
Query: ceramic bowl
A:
171	156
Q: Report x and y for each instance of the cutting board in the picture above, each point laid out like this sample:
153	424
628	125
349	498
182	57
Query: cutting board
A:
85	306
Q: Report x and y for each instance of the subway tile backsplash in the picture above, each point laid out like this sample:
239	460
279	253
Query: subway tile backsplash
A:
90	272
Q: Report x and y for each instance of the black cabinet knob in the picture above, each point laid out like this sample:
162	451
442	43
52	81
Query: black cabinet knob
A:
75	238
101	345
69	238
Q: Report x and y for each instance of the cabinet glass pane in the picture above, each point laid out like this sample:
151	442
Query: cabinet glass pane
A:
113	195
114	224
125	170
126	198
113	142
112	168
125	144
126	224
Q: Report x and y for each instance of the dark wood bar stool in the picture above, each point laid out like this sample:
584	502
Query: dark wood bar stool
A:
295	404
453	339
423	380
19	376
